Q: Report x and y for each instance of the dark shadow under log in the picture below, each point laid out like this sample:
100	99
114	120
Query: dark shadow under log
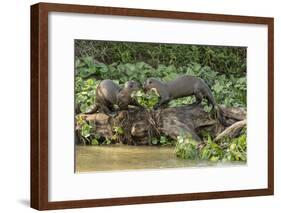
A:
140	125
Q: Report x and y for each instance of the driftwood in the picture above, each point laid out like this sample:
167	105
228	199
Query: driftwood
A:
232	131
140	125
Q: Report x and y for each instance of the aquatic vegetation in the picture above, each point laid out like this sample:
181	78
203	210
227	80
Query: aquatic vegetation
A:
186	148
228	149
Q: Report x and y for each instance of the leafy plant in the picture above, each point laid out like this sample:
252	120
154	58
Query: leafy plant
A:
85	92
211	151
228	149
225	60
118	131
85	130
186	148
147	100
237	149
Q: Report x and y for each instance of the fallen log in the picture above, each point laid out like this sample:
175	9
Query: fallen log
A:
232	131
140	126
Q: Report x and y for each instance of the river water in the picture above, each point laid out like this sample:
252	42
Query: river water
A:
123	157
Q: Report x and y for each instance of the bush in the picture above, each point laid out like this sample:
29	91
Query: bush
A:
227	60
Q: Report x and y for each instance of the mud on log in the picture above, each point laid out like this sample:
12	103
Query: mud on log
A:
141	125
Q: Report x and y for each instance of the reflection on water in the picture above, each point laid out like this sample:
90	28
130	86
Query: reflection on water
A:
123	157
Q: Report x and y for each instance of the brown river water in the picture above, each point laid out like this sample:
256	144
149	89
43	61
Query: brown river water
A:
123	157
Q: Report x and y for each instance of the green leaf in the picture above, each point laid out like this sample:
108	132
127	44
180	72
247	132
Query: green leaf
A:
154	141
118	130
94	141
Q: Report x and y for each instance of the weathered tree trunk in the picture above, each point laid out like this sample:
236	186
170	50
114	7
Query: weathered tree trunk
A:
140	126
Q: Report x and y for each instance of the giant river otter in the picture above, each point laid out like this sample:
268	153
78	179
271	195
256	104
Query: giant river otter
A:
183	86
108	94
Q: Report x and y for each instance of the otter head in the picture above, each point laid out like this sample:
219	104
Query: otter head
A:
151	83
132	86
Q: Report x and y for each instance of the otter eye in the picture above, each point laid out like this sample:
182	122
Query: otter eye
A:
150	82
131	86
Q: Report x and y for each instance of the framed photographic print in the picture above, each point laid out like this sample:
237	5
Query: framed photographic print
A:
133	106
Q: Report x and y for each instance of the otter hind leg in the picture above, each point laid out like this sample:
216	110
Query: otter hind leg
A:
211	102
105	109
199	98
164	100
111	107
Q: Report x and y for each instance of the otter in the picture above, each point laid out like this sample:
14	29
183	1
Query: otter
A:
183	86
108	94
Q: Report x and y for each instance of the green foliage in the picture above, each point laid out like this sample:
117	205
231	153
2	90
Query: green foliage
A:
94	141
118	131
186	148
231	92
182	101
85	131
222	59
163	141
107	141
237	149
147	100
211	151
87	134
228	149
85	93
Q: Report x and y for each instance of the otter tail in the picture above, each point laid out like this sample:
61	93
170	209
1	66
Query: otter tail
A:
216	107
220	116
